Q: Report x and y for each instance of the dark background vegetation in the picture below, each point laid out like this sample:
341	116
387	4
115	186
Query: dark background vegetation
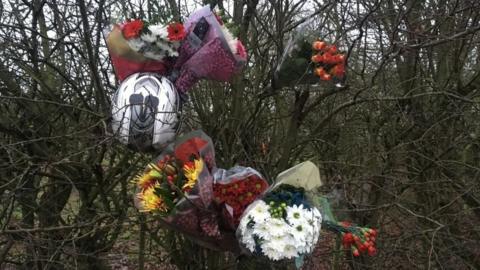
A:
398	147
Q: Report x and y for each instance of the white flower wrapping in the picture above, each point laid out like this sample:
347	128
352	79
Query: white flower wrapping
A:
155	44
280	238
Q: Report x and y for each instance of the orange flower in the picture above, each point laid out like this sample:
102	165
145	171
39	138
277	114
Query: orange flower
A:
132	29
320	72
340	58
338	71
332	49
317	58
319	45
176	32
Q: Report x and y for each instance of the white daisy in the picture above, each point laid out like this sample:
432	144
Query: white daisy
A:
302	248
272	254
158	31
277	243
262	230
290	251
150	37
248	240
259	212
300	232
278	227
244	222
296	214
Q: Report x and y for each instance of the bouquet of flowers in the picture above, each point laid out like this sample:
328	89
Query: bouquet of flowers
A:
164	183
138	46
209	51
196	144
358	239
179	189
328	61
355	239
305	59
283	224
235	189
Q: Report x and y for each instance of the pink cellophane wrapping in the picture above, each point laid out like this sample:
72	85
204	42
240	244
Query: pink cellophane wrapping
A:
210	59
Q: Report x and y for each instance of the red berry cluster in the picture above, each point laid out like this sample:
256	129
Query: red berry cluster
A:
360	241
238	194
328	62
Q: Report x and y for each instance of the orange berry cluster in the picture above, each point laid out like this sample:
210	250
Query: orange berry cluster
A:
328	61
360	241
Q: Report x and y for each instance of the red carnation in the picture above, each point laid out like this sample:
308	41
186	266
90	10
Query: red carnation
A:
176	32
132	29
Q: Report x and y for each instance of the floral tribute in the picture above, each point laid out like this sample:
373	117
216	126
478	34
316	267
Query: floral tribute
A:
177	187
358	239
138	46
154	41
210	51
328	61
282	225
165	182
235	190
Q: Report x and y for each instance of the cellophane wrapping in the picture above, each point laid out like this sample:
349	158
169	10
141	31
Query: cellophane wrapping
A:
235	189
211	53
126	61
283	224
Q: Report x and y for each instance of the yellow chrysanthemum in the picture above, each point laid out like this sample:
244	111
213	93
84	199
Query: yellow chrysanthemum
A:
150	201
192	171
149	178
145	181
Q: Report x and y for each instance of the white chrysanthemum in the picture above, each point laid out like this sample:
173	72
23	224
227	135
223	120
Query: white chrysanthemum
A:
277	243
248	240
150	38
302	247
244	222
136	44
300	232
262	230
314	223
278	227
271	253
314	219
316	213
159	31
296	214
259	212
290	251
